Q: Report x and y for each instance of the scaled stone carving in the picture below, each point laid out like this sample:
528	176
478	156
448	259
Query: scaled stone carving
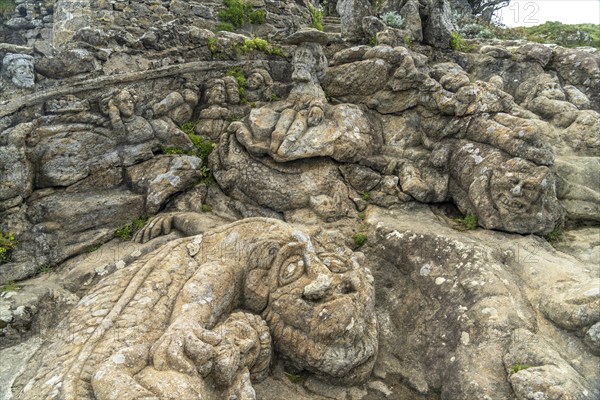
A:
305	125
163	326
18	69
505	193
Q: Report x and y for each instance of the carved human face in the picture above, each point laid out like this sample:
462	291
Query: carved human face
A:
255	81
551	90
321	309
216	94
22	74
125	104
304	63
519	187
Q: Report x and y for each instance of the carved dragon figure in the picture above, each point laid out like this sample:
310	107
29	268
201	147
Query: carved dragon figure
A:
183	321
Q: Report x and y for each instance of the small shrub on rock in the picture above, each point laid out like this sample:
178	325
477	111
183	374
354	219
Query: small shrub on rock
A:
392	19
457	43
316	17
7	244
476	31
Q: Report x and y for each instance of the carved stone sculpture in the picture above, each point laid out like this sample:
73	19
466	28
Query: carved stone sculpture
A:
18	69
544	96
259	85
260	181
213	120
130	128
505	193
305	125
178	106
163	326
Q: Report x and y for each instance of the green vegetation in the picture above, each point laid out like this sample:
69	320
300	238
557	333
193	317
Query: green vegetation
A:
476	31
550	32
10	286
238	13
366	196
457	43
7	244
202	149
7	7
361	216
258	44
44	269
212	45
408	41
373	41
316	17
377	4
242	80
556	235
93	248
126	232
519	367
392	19
206	208
469	222
274	97
359	238
294	378
562	34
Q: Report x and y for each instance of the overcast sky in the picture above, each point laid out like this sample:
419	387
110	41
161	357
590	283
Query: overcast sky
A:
535	12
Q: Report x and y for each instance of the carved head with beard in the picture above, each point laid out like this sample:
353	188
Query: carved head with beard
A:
319	304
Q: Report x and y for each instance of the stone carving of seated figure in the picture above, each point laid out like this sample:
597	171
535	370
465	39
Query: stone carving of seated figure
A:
130	128
213	120
305	125
18	70
163	326
506	193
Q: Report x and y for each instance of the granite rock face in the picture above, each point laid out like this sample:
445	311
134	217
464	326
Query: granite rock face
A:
453	173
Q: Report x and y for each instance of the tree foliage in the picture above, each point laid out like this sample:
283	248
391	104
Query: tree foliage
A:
483	8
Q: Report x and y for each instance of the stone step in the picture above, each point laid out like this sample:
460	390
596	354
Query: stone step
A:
332	28
331	20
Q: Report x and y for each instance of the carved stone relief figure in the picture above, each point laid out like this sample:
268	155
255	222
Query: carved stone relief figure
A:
213	120
18	70
506	193
163	326
305	125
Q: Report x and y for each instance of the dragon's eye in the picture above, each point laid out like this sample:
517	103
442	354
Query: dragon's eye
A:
291	270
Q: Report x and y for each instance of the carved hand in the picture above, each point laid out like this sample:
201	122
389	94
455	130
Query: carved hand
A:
161	225
185	347
315	116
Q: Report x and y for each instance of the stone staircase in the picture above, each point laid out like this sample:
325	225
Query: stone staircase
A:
332	24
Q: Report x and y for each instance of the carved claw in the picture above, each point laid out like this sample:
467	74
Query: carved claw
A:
160	225
315	116
185	347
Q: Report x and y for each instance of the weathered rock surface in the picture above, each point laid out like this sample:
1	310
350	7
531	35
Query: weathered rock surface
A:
108	111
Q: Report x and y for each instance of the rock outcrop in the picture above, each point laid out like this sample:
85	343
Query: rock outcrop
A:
251	166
